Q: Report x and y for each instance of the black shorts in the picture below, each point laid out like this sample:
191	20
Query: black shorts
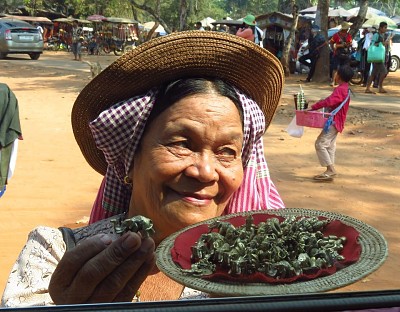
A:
339	61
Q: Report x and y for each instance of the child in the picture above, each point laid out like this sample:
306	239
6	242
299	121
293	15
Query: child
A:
325	145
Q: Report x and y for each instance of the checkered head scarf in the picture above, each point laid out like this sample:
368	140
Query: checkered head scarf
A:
117	132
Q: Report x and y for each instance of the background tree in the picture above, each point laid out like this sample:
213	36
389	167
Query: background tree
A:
183	13
9	6
321	73
360	19
288	42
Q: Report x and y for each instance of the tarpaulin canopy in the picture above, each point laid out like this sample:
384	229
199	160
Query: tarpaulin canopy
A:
70	20
207	22
96	18
375	21
149	25
339	12
37	19
121	20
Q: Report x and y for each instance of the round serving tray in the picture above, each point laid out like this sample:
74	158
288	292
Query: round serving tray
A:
374	251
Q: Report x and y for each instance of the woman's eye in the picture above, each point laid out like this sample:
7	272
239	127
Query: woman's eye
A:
179	144
228	152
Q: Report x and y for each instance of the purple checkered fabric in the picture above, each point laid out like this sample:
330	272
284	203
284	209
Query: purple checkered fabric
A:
117	132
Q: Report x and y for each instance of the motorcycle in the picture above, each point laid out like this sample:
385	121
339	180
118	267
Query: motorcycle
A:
119	46
358	74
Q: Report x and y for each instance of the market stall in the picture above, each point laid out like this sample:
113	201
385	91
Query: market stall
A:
276	27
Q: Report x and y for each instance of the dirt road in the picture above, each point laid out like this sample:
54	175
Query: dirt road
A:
54	186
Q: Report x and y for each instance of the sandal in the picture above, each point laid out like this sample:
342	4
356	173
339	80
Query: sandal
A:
324	177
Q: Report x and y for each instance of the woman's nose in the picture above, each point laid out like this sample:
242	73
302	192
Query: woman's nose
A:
203	168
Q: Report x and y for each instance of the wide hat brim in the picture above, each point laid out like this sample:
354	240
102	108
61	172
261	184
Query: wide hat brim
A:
186	54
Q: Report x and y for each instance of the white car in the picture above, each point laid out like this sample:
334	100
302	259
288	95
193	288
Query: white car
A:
395	51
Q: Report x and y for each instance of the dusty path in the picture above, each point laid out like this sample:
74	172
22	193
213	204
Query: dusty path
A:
54	186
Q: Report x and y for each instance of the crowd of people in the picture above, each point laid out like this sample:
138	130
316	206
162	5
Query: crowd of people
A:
343	51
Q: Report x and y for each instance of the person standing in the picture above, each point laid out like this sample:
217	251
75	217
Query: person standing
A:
363	45
165	157
248	28
341	43
325	144
199	26
315	43
379	68
40	28
76	40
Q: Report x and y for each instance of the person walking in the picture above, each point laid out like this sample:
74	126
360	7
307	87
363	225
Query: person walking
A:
315	44
338	104
379	68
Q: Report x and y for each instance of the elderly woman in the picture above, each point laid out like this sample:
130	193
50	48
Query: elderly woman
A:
176	127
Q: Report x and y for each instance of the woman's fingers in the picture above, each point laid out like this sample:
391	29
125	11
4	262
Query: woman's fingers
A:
131	288
72	261
97	269
123	283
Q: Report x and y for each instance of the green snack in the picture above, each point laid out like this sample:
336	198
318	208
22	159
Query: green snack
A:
277	249
137	224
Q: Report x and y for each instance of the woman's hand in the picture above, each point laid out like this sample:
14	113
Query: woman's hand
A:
99	270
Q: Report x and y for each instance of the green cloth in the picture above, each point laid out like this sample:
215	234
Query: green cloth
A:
10	129
5	156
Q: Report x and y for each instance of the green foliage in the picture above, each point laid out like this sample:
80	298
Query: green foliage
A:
239	8
197	9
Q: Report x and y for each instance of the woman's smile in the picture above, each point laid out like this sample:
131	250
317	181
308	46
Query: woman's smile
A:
197	199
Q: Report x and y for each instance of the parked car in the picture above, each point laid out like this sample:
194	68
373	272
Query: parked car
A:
395	51
17	36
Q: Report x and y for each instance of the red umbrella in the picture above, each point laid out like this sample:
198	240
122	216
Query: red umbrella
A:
96	18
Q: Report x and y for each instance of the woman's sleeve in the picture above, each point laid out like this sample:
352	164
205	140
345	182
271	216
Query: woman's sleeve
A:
30	276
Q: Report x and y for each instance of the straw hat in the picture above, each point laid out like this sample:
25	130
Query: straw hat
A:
345	25
238	61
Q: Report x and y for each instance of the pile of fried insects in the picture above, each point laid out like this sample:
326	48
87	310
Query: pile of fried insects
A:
277	249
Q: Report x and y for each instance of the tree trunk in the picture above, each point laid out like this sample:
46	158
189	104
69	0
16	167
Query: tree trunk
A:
155	13
150	34
285	59
321	73
360	19
183	9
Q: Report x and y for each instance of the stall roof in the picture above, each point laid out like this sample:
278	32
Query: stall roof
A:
70	20
275	18
36	19
227	22
121	20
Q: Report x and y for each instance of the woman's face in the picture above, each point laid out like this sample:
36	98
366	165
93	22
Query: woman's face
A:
188	164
